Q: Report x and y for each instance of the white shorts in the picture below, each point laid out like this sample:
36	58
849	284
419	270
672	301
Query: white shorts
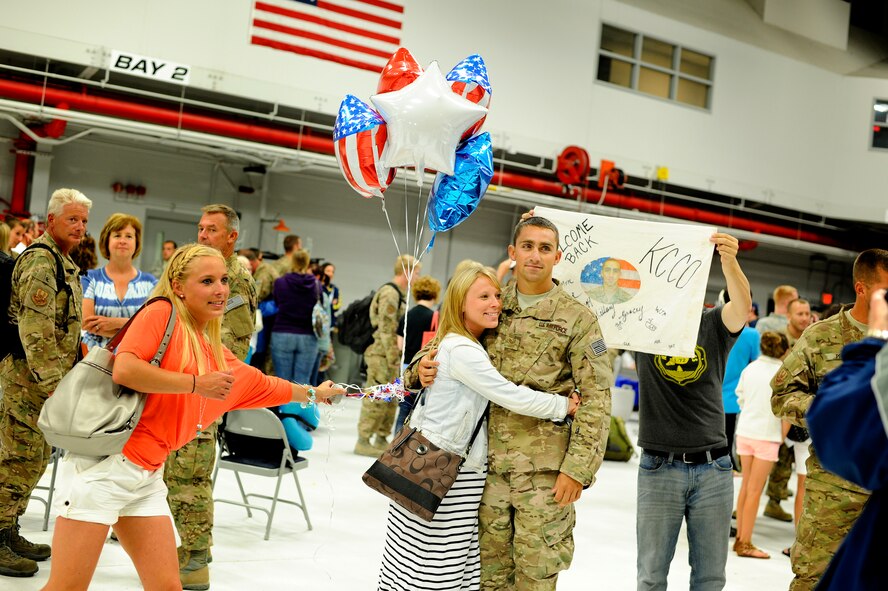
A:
801	450
101	490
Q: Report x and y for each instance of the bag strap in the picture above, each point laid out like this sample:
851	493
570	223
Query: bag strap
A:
424	393
167	334
434	326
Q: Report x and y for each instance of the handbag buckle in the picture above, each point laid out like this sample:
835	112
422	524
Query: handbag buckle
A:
421	449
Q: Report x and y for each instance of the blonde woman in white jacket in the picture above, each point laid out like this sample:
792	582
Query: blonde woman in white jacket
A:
444	553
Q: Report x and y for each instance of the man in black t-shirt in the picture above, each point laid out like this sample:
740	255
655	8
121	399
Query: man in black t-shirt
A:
685	471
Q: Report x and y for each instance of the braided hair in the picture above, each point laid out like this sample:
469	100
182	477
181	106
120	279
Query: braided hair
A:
181	265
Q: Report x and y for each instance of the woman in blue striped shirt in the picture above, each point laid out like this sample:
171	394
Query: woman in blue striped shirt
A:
113	293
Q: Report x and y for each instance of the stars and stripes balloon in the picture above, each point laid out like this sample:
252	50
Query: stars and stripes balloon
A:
358	139
469	80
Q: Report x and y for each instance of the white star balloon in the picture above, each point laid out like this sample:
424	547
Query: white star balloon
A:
425	122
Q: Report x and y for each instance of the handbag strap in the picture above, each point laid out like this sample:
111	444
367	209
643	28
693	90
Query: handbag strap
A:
167	333
424	392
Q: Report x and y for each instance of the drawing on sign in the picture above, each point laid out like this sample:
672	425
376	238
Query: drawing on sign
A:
610	280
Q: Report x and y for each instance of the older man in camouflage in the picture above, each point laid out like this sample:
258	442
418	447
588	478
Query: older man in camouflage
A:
831	504
383	357
537	469
188	471
48	320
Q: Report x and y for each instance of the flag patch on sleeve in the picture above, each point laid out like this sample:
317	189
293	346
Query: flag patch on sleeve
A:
598	347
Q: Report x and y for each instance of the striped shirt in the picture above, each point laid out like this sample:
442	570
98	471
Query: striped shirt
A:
99	287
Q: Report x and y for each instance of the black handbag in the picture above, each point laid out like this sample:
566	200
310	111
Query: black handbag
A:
797	434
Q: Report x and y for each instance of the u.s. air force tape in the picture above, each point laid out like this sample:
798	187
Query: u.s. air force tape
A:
598	347
234	302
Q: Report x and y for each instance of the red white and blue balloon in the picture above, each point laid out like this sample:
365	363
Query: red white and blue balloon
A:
359	137
469	80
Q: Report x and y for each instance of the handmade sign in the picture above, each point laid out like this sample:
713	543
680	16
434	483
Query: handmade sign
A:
645	281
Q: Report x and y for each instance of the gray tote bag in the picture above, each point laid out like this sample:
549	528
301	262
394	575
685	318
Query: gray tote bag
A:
88	414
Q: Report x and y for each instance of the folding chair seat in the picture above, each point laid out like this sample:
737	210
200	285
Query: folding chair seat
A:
254	442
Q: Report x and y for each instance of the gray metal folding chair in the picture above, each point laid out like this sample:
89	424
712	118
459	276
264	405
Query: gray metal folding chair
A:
54	466
254	442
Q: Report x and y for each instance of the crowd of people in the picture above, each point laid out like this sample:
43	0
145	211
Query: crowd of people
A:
522	360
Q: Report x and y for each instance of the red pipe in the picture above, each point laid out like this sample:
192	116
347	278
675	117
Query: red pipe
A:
165	116
21	174
291	139
684	212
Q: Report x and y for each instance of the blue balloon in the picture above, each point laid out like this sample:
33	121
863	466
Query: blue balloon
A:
453	198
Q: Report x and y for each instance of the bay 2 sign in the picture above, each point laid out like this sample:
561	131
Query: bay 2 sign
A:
149	67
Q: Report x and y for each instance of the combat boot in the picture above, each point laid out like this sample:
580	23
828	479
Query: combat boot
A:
380	443
27	549
775	511
11	564
195	575
363	448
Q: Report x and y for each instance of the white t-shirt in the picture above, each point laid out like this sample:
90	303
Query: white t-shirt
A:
757	420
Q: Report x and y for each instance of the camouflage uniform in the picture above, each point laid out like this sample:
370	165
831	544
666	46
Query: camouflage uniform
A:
283	265
831	504
50	339
188	471
383	359
264	277
555	346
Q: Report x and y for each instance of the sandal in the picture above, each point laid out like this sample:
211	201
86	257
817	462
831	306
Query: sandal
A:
785	551
747	550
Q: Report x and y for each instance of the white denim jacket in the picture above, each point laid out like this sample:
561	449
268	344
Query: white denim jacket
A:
450	408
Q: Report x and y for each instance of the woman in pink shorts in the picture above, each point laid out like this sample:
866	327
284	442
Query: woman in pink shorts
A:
759	434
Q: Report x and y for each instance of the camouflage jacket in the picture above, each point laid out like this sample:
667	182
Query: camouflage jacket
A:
386	309
49	337
240	310
283	265
555	346
817	352
264	278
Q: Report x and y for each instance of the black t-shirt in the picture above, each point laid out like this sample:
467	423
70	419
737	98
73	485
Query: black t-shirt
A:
680	403
419	320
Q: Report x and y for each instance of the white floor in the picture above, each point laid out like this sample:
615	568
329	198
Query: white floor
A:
342	552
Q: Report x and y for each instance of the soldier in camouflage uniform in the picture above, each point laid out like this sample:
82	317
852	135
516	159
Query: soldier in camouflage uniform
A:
188	471
383	357
831	504
284	265
538	469
48	322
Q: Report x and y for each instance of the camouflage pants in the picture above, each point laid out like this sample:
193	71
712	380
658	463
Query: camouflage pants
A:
24	454
188	475
778	481
377	417
526	538
828	512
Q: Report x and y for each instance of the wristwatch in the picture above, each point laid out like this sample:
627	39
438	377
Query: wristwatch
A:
876	333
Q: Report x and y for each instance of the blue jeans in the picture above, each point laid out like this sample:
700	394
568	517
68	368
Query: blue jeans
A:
293	355
669	492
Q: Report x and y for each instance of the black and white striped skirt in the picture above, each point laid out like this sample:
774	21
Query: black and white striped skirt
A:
437	555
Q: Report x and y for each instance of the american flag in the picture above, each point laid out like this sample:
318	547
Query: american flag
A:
358	138
630	279
358	33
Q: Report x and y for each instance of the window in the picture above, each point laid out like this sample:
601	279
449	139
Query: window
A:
657	68
880	124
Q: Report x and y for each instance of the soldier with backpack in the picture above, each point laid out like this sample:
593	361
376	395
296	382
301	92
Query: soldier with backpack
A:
383	357
48	317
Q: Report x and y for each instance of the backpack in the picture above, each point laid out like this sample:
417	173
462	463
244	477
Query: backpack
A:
10	341
619	446
320	320
355	329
